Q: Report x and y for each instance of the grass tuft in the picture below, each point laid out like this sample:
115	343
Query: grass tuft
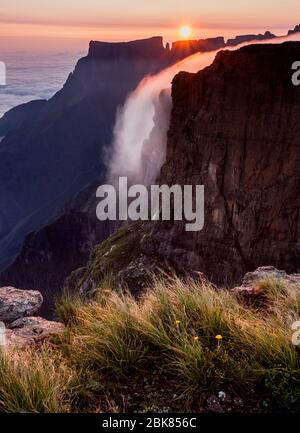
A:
35	381
195	338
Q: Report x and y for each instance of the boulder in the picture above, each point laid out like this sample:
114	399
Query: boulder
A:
15	303
31	331
264	272
250	289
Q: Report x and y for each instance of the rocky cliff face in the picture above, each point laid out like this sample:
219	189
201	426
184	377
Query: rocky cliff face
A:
234	129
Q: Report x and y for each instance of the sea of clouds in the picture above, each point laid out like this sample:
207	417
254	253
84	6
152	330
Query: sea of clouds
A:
32	76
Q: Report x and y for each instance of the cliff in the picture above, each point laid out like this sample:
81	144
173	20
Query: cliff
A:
181	49
56	147
143	49
295	30
234	129
153	48
245	150
249	38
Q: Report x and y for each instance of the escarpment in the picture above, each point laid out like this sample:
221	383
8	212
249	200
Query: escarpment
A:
235	130
57	147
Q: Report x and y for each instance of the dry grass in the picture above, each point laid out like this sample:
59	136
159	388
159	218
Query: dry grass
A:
172	330
35	381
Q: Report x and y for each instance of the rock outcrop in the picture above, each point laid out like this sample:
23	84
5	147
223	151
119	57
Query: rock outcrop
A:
31	331
140	49
18	327
181	49
295	30
269	272
249	38
15	303
211	44
252	290
119	257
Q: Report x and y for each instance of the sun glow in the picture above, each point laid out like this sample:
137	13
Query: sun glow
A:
185	31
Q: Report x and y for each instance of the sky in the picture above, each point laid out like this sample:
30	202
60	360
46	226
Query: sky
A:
72	23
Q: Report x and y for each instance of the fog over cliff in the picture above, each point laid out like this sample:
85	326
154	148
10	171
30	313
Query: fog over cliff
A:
137	137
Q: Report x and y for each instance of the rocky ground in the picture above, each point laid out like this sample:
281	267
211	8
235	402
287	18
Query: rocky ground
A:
145	390
19	308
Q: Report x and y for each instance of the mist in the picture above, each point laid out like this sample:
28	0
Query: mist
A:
140	132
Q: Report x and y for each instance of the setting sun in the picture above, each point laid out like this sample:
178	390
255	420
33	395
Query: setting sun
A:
185	31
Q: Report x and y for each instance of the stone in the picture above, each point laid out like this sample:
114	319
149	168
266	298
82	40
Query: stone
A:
251	278
250	288
16	303
213	405
31	331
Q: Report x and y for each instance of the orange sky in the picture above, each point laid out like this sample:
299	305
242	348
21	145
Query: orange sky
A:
72	23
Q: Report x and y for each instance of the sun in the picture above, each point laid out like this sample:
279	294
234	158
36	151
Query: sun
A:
185	31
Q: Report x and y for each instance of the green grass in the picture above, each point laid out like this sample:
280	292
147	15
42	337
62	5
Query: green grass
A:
115	340
174	328
110	257
35	381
